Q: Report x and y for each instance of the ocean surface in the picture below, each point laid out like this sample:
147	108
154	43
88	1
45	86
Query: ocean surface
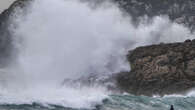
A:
119	102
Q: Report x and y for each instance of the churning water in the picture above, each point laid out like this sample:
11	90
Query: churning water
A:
67	39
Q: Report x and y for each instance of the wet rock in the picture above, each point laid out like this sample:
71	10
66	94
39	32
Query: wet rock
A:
160	69
6	45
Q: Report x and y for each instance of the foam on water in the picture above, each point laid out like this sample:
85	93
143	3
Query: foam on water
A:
60	39
64	96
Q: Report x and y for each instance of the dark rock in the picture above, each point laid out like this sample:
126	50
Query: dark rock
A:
188	40
180	11
160	69
6	44
92	80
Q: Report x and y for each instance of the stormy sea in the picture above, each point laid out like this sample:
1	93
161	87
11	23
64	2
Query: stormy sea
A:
57	44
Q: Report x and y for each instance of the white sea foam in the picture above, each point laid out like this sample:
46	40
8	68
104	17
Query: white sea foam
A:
66	96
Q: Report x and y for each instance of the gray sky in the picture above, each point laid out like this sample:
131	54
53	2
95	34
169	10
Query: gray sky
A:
5	4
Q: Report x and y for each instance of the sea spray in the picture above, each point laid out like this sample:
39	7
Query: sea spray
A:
60	39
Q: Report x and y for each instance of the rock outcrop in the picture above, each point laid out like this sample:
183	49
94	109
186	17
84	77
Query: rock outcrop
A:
6	45
160	69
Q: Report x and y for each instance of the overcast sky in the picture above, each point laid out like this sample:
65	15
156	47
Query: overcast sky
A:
5	4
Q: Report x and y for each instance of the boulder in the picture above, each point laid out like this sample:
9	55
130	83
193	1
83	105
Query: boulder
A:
160	69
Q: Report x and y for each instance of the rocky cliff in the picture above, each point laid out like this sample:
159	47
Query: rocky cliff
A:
160	69
180	11
6	45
